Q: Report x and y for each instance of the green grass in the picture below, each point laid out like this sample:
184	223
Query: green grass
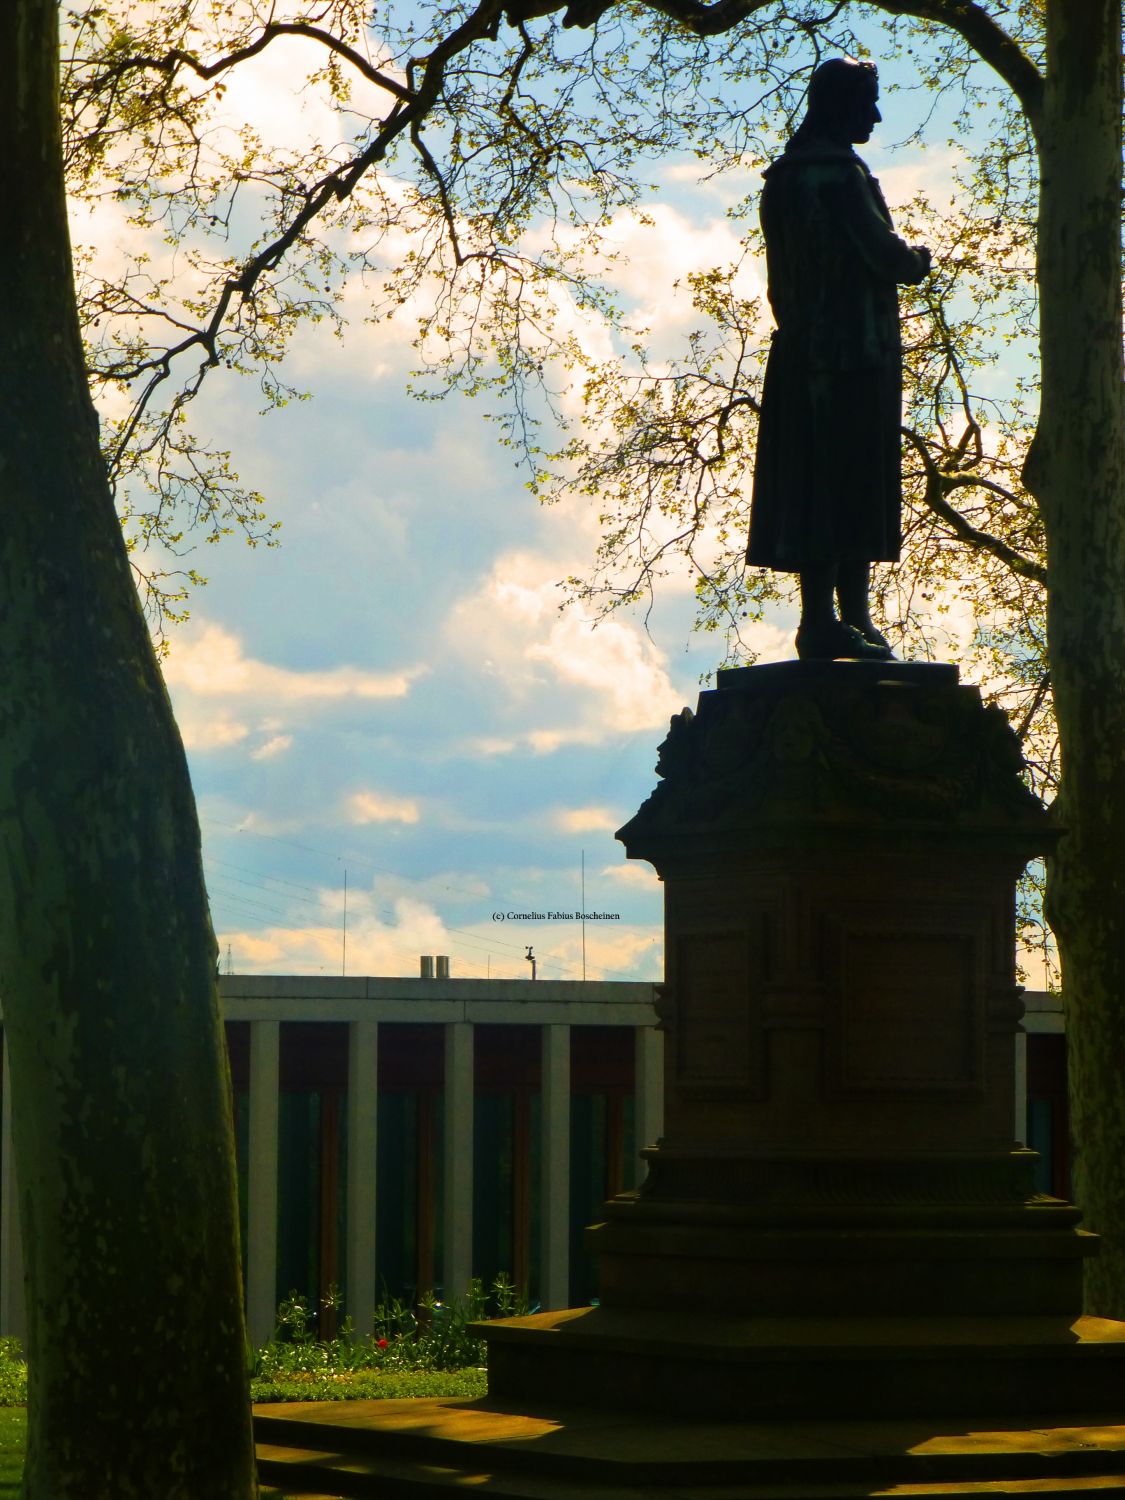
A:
13	1440
418	1352
369	1385
358	1385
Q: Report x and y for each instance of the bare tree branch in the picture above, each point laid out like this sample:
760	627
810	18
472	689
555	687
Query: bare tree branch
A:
938	485
171	62
1042	688
989	41
335	185
987	38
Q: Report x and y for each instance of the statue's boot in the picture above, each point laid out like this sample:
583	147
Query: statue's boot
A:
838	642
872	635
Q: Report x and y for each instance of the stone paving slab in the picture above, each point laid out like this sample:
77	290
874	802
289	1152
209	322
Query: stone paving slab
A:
438	1446
467	1420
296	1469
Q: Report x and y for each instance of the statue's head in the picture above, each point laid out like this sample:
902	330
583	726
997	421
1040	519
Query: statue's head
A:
842	101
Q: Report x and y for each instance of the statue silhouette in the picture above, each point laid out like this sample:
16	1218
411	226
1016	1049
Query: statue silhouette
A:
827	493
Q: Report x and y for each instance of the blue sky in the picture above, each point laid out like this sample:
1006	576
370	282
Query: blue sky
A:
392	696
393	692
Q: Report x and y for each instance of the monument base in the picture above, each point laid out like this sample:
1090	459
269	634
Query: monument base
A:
728	1367
821	1259
836	1223
433	1448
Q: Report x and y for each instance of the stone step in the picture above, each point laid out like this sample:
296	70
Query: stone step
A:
306	1472
421	1449
714	1367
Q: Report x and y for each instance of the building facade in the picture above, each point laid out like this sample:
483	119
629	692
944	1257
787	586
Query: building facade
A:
397	1136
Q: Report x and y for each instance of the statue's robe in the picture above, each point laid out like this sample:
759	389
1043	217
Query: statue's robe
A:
828	475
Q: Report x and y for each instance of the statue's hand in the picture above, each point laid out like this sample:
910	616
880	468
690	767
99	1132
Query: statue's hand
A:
923	254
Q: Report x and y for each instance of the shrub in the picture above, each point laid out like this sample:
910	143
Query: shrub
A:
434	1335
13	1373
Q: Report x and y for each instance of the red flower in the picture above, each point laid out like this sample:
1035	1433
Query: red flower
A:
380	1343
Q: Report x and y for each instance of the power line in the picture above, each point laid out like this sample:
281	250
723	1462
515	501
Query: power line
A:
389	918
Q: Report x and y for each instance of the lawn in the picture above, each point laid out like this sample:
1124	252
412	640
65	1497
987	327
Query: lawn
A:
362	1384
13	1438
424	1351
368	1385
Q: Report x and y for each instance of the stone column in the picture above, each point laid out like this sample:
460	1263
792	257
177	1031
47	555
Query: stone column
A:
554	1279
363	1125
457	1255
1019	1121
648	1091
261	1181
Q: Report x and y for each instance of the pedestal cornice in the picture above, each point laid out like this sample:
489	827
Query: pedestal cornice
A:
823	755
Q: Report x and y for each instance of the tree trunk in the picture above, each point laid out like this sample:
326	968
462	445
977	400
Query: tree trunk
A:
119	1085
1077	471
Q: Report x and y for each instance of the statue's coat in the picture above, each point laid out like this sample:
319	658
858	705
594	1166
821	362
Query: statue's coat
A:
828	476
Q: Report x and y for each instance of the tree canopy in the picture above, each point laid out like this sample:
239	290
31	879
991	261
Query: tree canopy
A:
474	160
475	157
472	164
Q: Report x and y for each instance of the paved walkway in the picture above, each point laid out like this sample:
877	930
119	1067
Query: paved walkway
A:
431	1447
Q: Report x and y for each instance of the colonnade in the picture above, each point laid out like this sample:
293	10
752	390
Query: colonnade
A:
362	1183
459	1006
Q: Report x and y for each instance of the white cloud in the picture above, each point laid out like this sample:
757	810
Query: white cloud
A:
729	187
595	680
378	942
615	660
209	732
213	665
538	741
276	745
491	627
489	745
647	256
614	950
547	741
381	807
582	819
270	92
264	824
768	641
931	172
658	258
641	876
388	928
389	941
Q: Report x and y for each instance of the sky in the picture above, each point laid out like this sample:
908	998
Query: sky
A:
399	740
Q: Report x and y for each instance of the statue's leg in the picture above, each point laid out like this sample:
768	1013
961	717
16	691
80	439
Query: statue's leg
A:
853	583
818	584
821	636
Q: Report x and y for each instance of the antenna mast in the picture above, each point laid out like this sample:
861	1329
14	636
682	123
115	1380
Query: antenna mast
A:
583	916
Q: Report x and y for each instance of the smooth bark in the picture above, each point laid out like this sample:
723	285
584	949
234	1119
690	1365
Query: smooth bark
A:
107	961
1076	469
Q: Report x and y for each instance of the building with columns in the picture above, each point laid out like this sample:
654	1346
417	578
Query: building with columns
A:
397	1136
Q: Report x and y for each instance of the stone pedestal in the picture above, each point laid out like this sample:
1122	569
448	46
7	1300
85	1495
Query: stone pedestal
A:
838	1185
839	848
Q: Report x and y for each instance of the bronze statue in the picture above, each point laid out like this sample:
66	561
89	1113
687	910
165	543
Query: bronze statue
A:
827	482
